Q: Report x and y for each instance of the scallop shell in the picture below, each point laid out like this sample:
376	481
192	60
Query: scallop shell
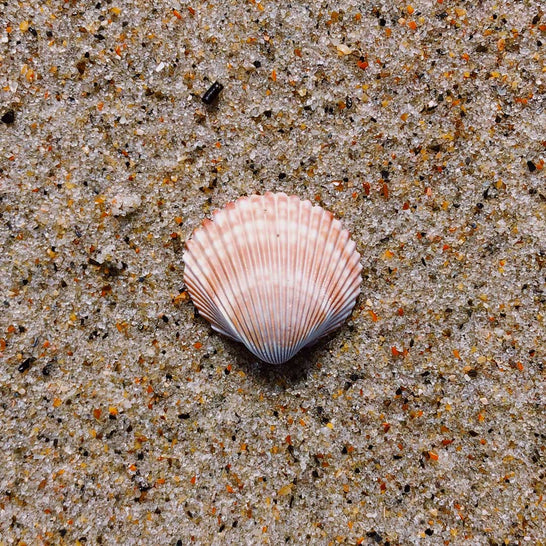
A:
273	272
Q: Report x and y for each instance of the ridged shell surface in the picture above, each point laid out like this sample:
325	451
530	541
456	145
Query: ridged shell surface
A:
273	272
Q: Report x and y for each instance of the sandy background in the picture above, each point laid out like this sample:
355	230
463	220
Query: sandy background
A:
125	419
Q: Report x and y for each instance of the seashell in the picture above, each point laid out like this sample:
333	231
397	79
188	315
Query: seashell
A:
273	272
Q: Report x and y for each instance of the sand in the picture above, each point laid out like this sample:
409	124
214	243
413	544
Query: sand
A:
126	420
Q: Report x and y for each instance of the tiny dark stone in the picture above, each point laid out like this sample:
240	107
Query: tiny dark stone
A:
531	166
257	64
354	377
344	450
536	19
429	532
282	176
62	532
183	415
382	22
26	364
480	205
315	474
212	93
81	65
222	527
164	318
168	376
423	261
9	117
32	30
268	113
472	433
406	488
472	373
375	536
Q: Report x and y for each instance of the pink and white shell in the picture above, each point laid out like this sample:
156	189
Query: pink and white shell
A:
273	272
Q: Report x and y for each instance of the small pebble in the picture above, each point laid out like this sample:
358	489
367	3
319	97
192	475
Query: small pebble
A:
9	117
212	93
